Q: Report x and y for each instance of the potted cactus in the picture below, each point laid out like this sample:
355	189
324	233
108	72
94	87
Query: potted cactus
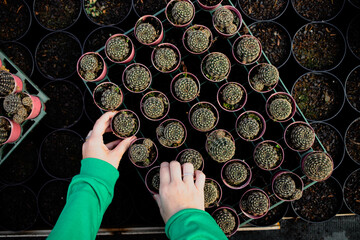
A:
125	123
268	155
154	105
254	203
246	49
136	78
91	67
9	83
212	193
197	39
317	166
192	156
231	96
203	116
149	30
143	152
152	180
180	13
227	219
166	57
215	66
287	186
9	130
299	136
250	126
108	96
227	20
236	174
185	87
280	107
209	5
220	145
263	77
119	49
171	133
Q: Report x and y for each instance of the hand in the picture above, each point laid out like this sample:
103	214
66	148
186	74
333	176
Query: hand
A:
94	146
176	192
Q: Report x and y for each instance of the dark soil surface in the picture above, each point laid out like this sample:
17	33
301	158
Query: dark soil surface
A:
65	106
57	54
318	10
15	19
352	140
20	55
318	95
355	2
352	88
148	7
352	192
263	10
97	38
57	14
353	36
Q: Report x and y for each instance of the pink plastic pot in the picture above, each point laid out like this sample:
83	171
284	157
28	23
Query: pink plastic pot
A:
173	47
263	122
169	7
215	204
244	196
252	70
132	52
237	220
152	161
103	72
150	19
36	107
240	105
15	131
180	153
248	179
196	26
124	76
17	81
197	106
149	175
271	142
203	63
208	8
136	117
164	123
234	46
177	77
305	158
157	93
298	183
275	96
95	96
237	13
286	133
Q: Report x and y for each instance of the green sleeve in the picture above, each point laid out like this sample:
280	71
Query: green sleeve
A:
191	224
89	195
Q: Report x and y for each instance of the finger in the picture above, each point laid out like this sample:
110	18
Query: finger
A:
200	180
175	171
102	124
188	173
157	199
164	173
113	144
121	148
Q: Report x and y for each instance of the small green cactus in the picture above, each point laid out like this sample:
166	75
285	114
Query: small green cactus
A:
248	50
266	76
302	137
267	155
224	21
203	118
5	128
318	166
7	83
154	107
198	40
171	135
118	48
232	94
255	203
186	89
249	127
220	146
191	156
90	66
111	98
146	33
226	221
140	153
125	124
165	59
217	66
155	181
137	78
182	12
236	173
211	193
285	187
280	109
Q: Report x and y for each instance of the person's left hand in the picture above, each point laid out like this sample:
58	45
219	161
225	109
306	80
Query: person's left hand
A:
94	146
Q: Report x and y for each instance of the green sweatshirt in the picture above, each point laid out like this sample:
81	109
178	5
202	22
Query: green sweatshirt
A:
91	192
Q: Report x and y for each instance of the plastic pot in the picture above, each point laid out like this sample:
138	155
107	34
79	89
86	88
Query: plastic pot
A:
166	45
272	14
281	95
243	198
207	105
306	157
98	37
97	95
202	67
156	94
164	124
168	9
203	5
351	191
307	12
236	107
287	132
351	89
149	179
196	27
102	74
247	180
262	126
253	71
179	76
235	12
91	111
15	131
298	183
131	55
234	213
18	84
178	157
217	201
274	144
36	107
124	77
152	20
235	44
136	127
153	155
353	3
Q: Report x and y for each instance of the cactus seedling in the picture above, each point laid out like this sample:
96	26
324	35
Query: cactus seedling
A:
165	59
90	66
203	117
249	126
255	203
236	173
318	166
285	188
111	98
137	78
225	21
211	193
216	67
280	109
118	48
226	221
232	94
248	49
265	78
5	128
302	137
186	89
198	39
172	134
125	124
146	33
18	106
267	155
191	156
155	105
182	12
140	153
220	146
7	83
155	181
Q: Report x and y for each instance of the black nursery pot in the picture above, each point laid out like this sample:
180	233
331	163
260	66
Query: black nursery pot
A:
56	55
267	10
352	88
52	199
15	19
148	7
98	37
18	209
353	36
318	10
351	191
352	138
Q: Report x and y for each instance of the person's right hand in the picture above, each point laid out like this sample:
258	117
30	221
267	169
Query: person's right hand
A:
178	190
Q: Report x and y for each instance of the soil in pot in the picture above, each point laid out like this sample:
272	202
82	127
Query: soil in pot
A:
97	38
58	14
352	88
57	54
318	46
352	140
107	12
320	96
318	10
263	10
20	55
64	108
275	41
61	153
148	7
52	200
18	210
319	202
352	191
15	19
353	36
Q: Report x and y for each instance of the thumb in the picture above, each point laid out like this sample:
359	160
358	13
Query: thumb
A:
121	148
